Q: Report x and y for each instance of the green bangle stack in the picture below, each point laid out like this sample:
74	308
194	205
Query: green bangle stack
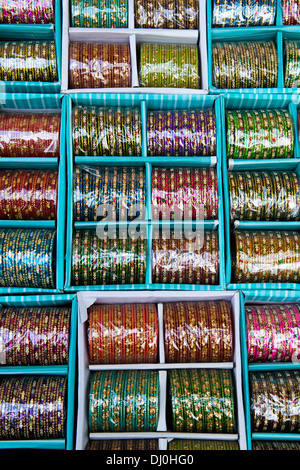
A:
99	13
292	64
195	444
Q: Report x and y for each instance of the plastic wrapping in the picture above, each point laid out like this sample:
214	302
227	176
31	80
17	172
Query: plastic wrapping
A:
245	64
273	332
275	445
113	193
265	256
29	134
29	61
275	401
122	334
123	401
198	332
27	11
239	13
202	401
189	259
259	134
34	336
27	258
181	133
32	407
184	193
95	65
99	14
169	66
199	444
28	194
167	15
266	195
290	12
107	131
292	64
100	260
123	444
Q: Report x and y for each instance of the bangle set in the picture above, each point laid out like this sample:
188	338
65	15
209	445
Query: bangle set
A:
182	14
259	134
99	13
27	12
227	13
34	336
122	444
290	12
169	66
274	397
272	332
207	444
264	256
182	133
264	195
275	445
122	334
32	407
94	65
123	401
106	131
31	134
245	64
198	331
292	64
202	400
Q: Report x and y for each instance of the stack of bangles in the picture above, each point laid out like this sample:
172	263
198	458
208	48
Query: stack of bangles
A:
202	400
190	260
27	258
259	134
122	334
94	65
98	260
274	397
107	131
123	444
207	444
27	12
114	193
29	134
272	332
123	401
238	13
266	256
184	193
292	64
198	332
265	195
182	133
103	14
28	194
34	336
30	61
33	407
290	12
169	66
275	445
245	64
183	14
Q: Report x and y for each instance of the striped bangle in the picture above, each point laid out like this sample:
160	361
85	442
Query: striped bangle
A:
290	12
200	444
292	64
124	444
27	12
166	15
103	14
235	13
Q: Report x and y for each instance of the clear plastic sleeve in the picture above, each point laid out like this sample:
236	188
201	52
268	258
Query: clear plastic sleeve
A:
275	401
99	14
292	64
245	64
123	401
201	444
185	259
95	65
29	134
290	12
273	332
122	334
202	401
265	256
169	66
27	11
266	195
198	332
181	133
107	131
28	194
34	336
237	13
123	444
259	134
167	15
32	407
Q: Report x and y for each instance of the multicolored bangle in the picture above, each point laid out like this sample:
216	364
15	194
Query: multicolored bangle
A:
228	13
275	445
101	14
183	14
292	64
201	444
123	444
290	12
27	12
